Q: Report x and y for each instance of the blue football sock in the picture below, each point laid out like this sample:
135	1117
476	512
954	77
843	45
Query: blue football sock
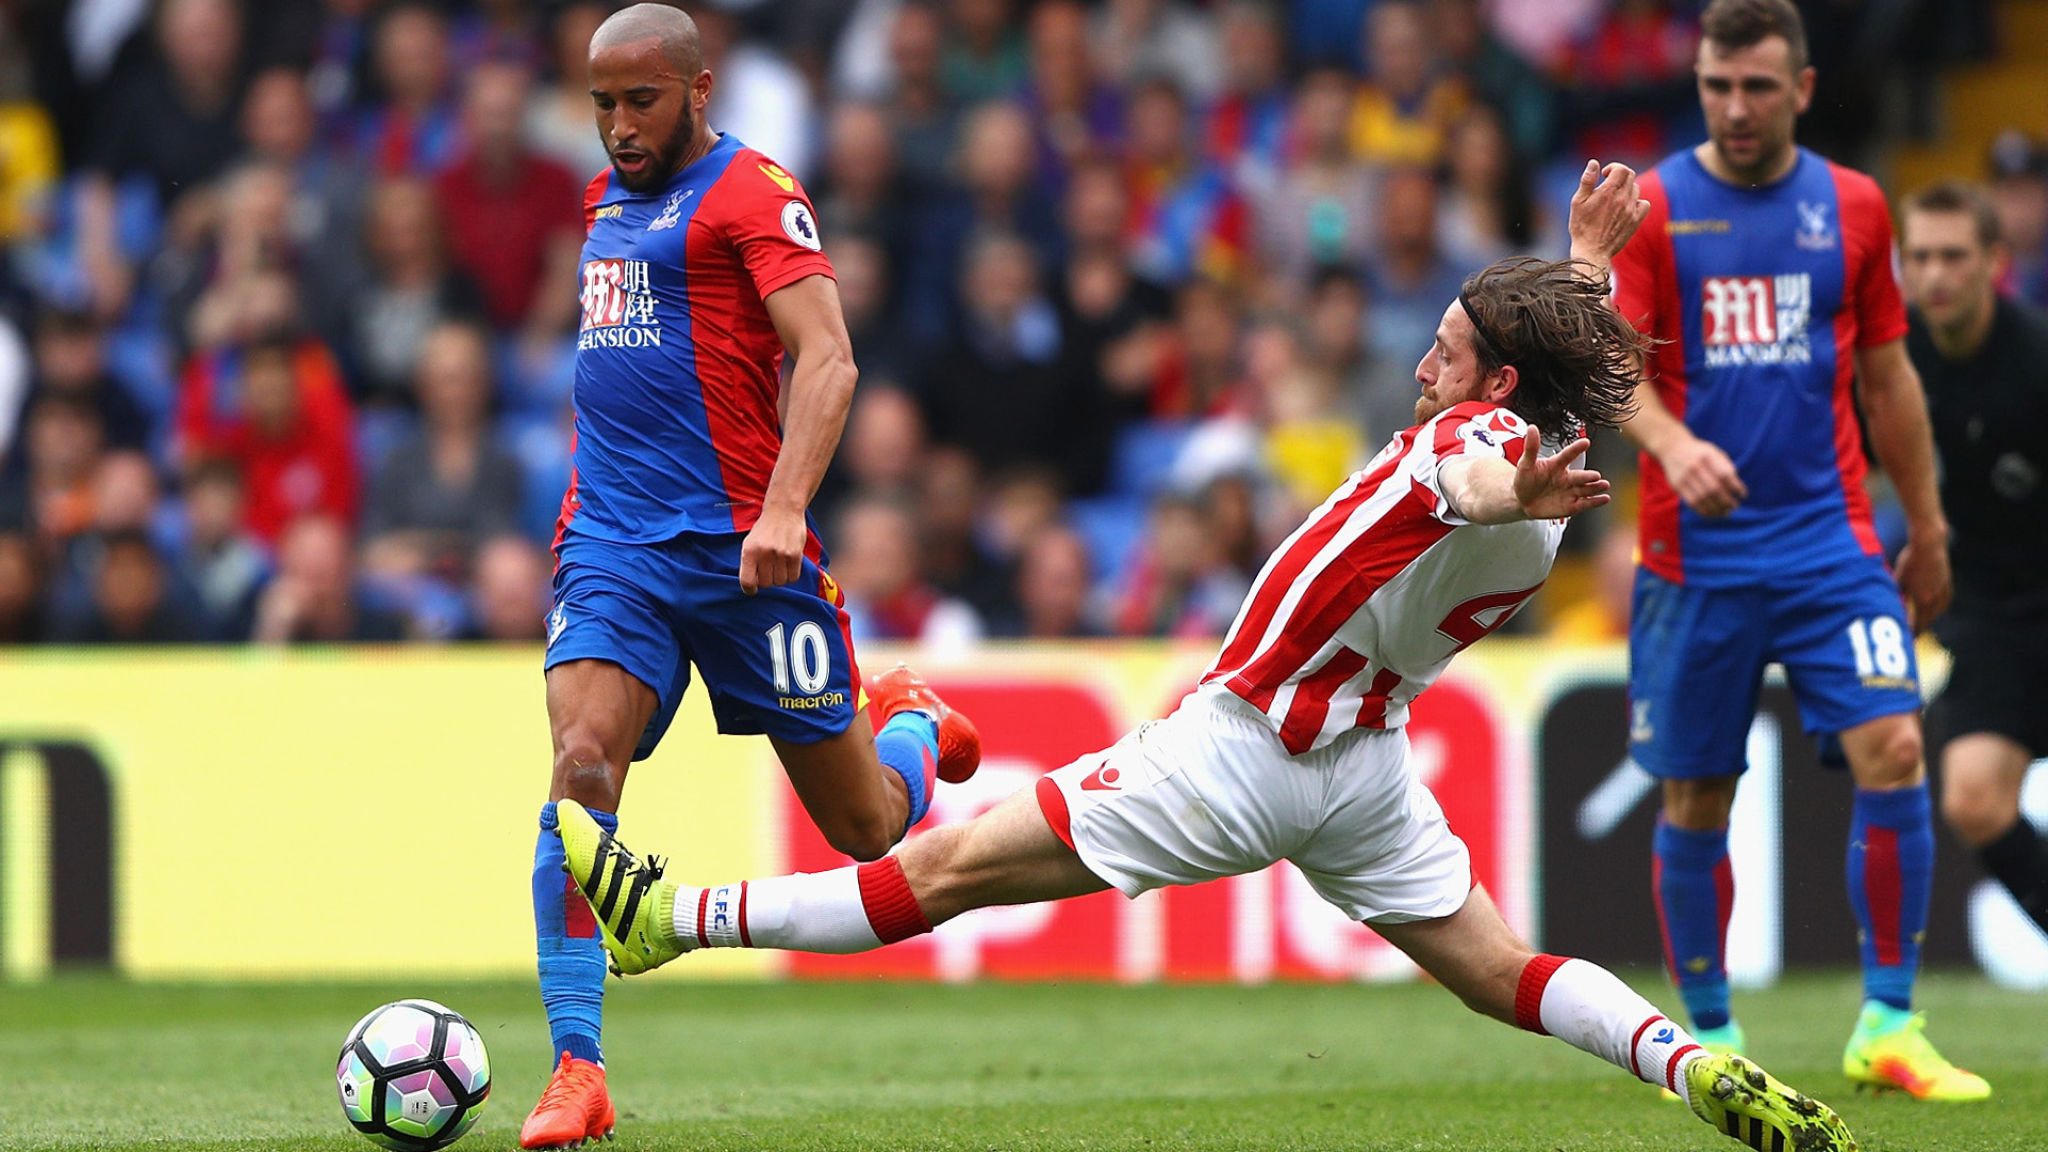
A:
1695	891
572	964
1891	866
908	745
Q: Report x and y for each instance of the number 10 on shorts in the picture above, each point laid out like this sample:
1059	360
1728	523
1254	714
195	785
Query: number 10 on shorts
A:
1880	645
802	651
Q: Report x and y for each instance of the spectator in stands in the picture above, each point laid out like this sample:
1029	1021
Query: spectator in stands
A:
1200	374
21	591
325	219
984	56
496	32
513	219
887	596
449	485
996	193
414	128
559	124
957	559
1484	210
1245	130
131	599
1054	589
219	560
170	122
1631	76
922	114
124	498
882	451
861	193
316	598
861	266
277	408
2019	191
1497	74
1318	209
1405	106
1162	593
1074	113
1377	390
1142	40
997	388
52	496
410	288
508	596
1310	444
1409	277
70	359
243	272
28	141
758	96
1185	218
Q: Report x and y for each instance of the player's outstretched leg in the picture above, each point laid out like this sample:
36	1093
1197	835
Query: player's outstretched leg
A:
575	1106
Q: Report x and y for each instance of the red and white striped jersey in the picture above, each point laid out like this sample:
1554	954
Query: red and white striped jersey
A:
1361	608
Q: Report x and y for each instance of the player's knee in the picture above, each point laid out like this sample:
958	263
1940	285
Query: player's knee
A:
1976	809
1701	804
1893	760
863	836
582	773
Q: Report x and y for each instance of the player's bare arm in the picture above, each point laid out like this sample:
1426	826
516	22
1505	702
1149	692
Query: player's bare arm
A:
807	317
1489	490
1606	211
1896	408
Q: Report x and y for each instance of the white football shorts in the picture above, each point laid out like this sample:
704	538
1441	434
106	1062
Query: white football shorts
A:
1210	792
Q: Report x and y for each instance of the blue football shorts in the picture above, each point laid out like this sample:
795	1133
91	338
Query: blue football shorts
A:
779	662
1697	658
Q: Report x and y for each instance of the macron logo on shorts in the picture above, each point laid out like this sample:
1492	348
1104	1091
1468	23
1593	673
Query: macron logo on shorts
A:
1104	779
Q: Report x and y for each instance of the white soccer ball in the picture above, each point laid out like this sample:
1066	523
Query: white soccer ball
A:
413	1076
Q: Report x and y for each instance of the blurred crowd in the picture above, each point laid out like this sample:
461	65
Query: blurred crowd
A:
287	305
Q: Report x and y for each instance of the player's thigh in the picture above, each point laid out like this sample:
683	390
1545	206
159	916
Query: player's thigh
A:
615	669
1847	650
1472	952
1696	661
778	663
1007	855
1382	852
1205	793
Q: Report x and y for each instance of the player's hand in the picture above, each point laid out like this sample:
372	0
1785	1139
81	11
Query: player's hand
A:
1925	581
1606	211
1703	476
1548	487
773	553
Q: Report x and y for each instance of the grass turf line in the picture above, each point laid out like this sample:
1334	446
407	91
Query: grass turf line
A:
93	1063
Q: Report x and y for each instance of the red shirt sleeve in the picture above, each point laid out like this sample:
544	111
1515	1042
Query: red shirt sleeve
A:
771	225
1868	247
1643	272
593	194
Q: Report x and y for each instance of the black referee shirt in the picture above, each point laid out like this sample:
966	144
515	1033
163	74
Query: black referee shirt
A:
1990	417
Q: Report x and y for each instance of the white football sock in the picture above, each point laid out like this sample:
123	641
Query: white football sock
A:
807	912
1585	1006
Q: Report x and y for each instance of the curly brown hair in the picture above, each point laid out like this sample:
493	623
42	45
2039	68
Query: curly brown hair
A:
1576	358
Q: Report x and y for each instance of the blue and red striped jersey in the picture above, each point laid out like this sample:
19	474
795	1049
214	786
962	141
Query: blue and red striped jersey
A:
678	368
1763	296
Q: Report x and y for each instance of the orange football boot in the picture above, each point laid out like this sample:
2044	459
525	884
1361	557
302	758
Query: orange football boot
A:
900	689
574	1109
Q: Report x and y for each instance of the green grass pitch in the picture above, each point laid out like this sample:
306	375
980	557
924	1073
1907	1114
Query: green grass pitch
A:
93	1063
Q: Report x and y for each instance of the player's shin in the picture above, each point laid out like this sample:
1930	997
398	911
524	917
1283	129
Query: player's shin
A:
1694	886
851	909
1585	1006
571	956
1890	866
908	745
2018	858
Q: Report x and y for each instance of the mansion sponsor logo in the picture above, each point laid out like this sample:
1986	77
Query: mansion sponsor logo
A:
1748	320
618	306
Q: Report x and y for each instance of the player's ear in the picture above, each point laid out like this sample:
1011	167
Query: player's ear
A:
700	90
1502	384
1802	87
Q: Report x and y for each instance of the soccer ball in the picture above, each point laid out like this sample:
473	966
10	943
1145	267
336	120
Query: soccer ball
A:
413	1076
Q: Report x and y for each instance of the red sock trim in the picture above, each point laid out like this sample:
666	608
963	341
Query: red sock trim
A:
578	921
703	910
1881	892
746	941
886	897
1536	976
1635	1066
1053	803
1671	1066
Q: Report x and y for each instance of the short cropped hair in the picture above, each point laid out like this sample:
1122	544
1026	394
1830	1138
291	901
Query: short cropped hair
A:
1957	197
1730	25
